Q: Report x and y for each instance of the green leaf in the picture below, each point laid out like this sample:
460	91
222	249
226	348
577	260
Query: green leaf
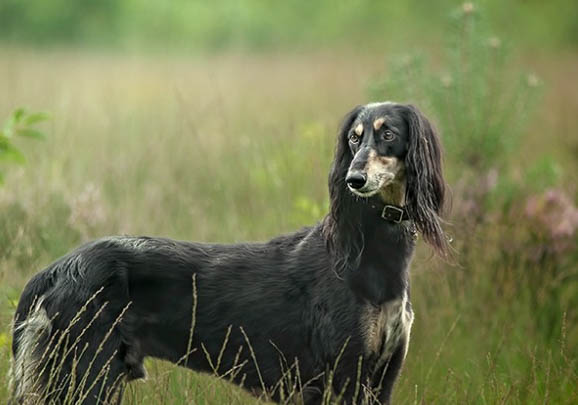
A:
18	114
35	118
31	133
9	152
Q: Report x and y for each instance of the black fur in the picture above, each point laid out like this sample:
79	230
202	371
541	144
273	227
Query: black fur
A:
426	188
298	299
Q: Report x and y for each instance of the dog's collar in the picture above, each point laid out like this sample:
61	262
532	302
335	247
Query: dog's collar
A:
390	212
394	213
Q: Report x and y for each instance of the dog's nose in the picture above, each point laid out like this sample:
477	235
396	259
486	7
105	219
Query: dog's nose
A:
356	180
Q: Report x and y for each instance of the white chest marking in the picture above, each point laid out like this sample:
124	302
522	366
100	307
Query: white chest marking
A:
385	326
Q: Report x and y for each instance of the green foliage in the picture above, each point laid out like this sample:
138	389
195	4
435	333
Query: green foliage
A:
481	104
59	20
19	124
259	24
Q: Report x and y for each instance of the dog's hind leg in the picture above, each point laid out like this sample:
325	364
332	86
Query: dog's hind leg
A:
96	372
50	369
30	336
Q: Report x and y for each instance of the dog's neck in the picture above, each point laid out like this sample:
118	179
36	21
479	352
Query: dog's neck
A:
381	274
371	252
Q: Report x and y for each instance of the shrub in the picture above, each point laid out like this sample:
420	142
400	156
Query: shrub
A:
480	103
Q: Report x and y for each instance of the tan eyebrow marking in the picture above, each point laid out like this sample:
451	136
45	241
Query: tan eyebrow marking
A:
359	129
378	123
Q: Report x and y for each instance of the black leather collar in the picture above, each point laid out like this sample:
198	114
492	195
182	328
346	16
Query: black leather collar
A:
394	213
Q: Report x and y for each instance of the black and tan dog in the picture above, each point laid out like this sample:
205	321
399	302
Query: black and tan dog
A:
322	311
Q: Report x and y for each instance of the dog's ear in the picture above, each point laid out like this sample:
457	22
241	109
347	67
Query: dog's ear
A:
426	188
341	226
343	155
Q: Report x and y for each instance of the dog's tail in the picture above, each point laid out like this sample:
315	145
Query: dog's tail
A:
31	333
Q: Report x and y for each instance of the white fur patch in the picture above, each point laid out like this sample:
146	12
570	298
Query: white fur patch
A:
385	326
378	104
24	378
133	243
368	107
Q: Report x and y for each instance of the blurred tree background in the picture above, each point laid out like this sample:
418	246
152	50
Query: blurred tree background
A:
261	25
216	121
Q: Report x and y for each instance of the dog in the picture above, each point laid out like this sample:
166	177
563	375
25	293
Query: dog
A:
320	314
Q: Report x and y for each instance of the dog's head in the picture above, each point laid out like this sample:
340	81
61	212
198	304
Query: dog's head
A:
378	139
392	152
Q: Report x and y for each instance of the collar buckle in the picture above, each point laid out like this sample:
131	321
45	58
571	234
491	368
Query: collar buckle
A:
392	213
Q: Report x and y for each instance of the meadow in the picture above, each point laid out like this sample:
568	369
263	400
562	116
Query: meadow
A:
235	146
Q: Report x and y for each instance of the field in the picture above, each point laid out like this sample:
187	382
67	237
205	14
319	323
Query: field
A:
236	146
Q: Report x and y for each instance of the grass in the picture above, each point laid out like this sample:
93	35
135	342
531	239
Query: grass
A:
237	147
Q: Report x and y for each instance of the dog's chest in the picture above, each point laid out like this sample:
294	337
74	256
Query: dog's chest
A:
384	326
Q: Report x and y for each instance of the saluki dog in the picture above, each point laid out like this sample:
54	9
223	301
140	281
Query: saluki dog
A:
322	314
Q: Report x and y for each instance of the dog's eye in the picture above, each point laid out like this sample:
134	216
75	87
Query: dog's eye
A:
388	135
354	138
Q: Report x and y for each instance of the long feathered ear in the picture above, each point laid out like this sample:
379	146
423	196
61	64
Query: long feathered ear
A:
343	155
341	225
426	188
